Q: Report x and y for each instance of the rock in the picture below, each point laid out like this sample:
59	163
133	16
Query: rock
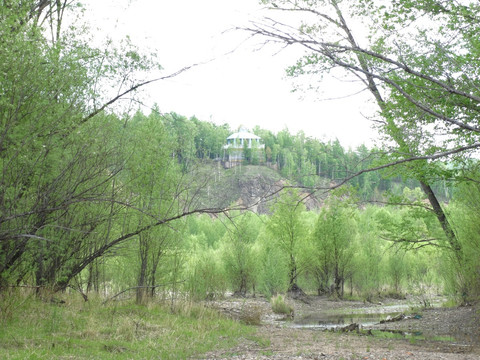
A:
392	319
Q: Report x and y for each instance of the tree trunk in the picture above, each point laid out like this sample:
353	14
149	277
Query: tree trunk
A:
293	274
442	218
396	135
141	290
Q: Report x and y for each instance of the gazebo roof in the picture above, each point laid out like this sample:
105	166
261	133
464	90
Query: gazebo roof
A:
243	134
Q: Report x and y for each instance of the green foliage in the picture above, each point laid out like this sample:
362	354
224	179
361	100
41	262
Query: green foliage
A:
396	271
333	238
280	306
204	278
287	231
346	250
413	226
272	274
237	255
370	256
463	281
210	230
209	139
93	200
421	81
60	156
114	331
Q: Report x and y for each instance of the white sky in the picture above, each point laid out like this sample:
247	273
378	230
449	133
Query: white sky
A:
245	87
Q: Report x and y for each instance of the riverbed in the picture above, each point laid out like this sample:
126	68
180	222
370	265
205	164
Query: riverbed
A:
314	332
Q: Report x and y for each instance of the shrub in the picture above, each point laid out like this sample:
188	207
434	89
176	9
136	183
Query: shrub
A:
279	306
251	315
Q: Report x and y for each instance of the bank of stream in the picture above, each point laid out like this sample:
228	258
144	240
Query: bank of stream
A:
401	318
394	327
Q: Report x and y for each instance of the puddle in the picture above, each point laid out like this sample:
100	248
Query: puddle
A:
363	316
334	321
369	318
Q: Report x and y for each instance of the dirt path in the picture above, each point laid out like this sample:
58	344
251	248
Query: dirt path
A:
276	339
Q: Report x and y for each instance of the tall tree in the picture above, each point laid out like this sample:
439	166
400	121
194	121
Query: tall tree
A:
333	238
238	255
288	232
424	88
152	174
64	198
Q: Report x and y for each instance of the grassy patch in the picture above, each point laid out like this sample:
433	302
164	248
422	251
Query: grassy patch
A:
251	315
443	338
280	306
75	330
412	337
450	303
262	342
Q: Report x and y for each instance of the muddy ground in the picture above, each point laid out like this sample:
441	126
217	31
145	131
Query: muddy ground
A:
438	333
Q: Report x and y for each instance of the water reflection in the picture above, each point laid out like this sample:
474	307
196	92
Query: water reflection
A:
333	321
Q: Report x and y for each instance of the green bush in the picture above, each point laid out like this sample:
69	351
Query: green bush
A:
204	277
279	306
251	315
272	276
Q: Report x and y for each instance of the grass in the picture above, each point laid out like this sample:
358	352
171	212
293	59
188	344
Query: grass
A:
251	315
280	306
413	338
450	303
75	330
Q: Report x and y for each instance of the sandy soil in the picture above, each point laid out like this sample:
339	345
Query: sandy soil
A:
280	340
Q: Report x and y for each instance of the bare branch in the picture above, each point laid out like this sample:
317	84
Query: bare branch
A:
140	287
436	156
331	51
137	86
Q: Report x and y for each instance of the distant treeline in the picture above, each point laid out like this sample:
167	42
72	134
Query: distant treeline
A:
304	159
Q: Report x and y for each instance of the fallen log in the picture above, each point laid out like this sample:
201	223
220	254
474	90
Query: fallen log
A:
393	319
349	328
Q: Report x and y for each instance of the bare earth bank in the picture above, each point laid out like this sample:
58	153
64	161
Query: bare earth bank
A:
449	333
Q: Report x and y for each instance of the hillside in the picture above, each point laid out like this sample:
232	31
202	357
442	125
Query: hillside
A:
255	186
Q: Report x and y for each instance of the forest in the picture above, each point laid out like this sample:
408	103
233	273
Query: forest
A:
105	202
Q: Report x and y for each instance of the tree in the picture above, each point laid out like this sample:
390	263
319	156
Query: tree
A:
463	281
424	88
396	271
152	174
429	79
64	196
57	166
411	227
333	238
288	232
238	255
272	276
369	255
210	139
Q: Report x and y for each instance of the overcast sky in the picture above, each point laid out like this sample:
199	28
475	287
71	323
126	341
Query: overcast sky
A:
244	84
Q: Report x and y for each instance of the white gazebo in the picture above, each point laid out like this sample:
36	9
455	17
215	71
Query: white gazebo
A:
238	141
